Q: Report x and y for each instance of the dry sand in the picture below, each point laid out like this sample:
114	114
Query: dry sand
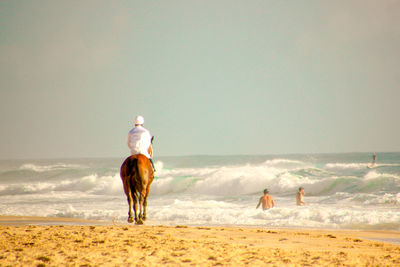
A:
68	242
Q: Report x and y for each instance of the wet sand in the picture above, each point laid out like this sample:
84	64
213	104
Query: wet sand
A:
36	220
36	241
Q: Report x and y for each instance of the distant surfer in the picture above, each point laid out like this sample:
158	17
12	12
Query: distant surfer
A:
140	140
300	197
373	161
267	201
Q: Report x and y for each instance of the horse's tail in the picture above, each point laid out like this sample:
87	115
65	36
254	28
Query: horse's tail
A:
133	170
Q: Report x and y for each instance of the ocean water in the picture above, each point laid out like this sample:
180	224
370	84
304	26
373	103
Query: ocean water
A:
341	191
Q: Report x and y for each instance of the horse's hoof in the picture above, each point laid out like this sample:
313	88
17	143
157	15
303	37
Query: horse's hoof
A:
139	221
130	220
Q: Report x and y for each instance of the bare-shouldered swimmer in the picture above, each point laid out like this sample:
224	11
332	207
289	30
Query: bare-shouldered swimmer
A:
267	201
300	197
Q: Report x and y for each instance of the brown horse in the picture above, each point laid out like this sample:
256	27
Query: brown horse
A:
137	175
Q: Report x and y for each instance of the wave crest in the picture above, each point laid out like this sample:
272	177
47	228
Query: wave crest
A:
46	168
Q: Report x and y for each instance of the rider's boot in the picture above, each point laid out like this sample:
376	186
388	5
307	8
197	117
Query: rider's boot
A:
152	164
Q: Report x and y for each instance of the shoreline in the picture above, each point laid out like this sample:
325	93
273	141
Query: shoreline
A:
68	241
12	220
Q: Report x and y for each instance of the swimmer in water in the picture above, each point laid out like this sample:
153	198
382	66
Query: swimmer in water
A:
267	201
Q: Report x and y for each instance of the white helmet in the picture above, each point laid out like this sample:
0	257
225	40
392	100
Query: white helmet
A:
139	120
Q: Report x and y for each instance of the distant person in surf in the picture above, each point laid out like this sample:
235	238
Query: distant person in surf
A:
300	197
373	161
267	201
140	140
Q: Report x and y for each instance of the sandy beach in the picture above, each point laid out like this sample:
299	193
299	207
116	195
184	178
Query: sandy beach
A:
38	241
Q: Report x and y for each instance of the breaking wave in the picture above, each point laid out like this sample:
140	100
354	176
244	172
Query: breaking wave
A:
46	168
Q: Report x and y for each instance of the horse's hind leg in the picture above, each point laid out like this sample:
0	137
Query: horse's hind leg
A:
130	218
145	202
128	193
134	200
135	207
141	202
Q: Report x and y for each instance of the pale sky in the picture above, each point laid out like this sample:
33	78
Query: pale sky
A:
209	77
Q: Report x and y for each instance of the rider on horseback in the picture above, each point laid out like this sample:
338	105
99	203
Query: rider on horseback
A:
140	140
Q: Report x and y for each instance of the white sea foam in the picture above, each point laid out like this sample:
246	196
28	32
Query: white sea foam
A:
355	166
376	174
223	213
27	188
284	163
45	168
92	184
159	165
236	180
383	199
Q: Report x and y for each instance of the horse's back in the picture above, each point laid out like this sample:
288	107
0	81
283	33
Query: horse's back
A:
138	163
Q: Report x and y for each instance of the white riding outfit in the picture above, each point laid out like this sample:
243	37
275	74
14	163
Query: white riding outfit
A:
139	141
139	138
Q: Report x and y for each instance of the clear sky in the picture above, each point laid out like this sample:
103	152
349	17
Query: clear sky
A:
210	77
